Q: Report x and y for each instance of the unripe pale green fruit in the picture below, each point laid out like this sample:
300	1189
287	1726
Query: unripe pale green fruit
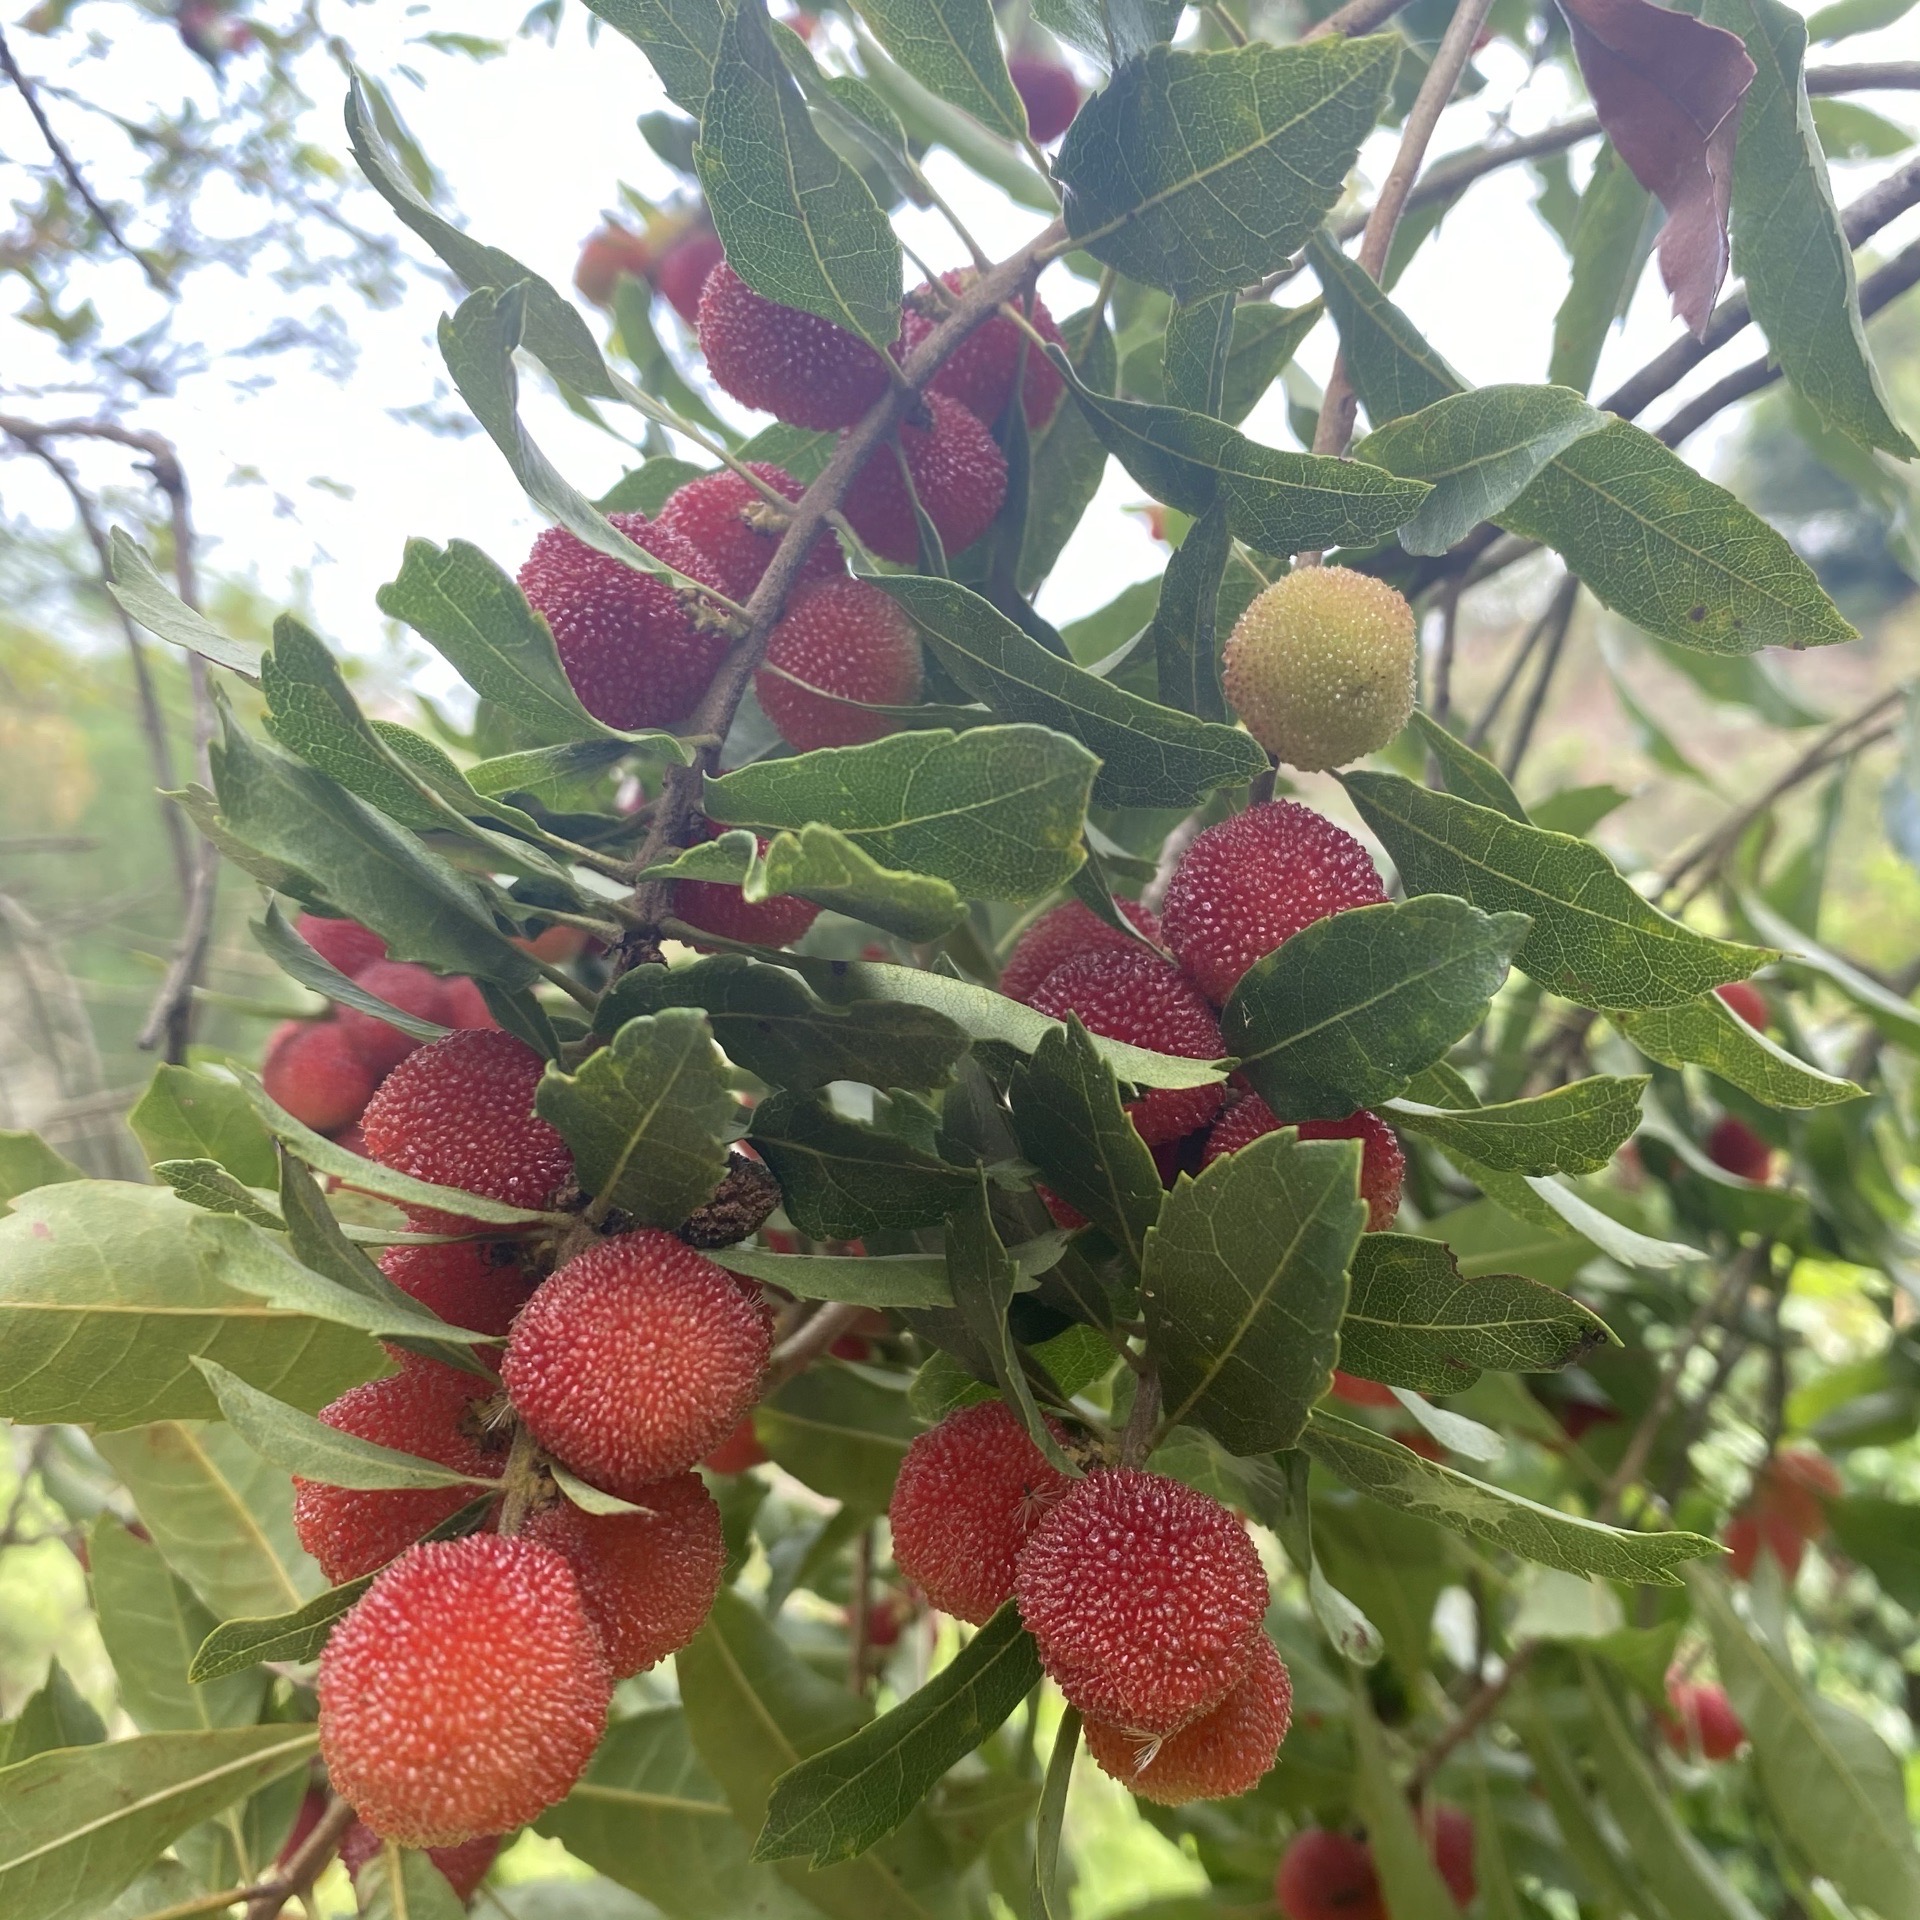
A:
1320	667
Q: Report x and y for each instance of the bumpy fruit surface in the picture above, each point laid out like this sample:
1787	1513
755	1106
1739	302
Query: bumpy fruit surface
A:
718	908
426	1409
346	944
465	1693
1131	995
476	1284
1701	1721
958	471
1223	1753
609	252
1735	1148
738	1452
1382	1164
980	372
723	515
313	1070
636	1360
681	273
413	990
846	638
793	365
459	1113
647	1580
969	1493
1326	1875
1064	933
462	1867
1144	1597
632	646
1253	881
1745	999
1320	667
1050	94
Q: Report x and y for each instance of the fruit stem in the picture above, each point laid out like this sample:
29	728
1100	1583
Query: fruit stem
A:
1141	1434
524	1477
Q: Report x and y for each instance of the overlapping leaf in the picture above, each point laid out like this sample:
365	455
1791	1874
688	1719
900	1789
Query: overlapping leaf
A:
1572	1129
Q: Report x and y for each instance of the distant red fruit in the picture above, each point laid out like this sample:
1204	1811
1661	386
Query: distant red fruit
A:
1222	1754
1701	1721
738	1452
462	1867
312	1069
1745	999
413	990
1382	1164
849	639
719	908
969	1493
647	1580
959	474
1361	1393
681	273
634	648
1326	1875
464	1694
346	944
793	365
723	515
426	1409
1144	1597
1131	995
476	1284
1049	92
609	252
1253	881
1449	1836
1063	934
1735	1148
980	372
636	1359
1785	1510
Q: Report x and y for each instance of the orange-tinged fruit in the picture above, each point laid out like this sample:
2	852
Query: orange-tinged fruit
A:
840	640
609	252
477	1284
738	1452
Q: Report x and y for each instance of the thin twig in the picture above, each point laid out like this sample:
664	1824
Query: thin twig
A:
1441	703
308	1863
1560	624
1477	733
1471	1717
860	1611
1355	18
803	1347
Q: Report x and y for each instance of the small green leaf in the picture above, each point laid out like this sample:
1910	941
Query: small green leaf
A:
1408	1876
1708	1033
399	1883
1244	1283
1572	1129
296	1637
1065	460
1051	1818
1346	1012
1897	1018
58	1714
1184	634
873	1280
1393	369
681	39
206	1184
951	48
298	960
188	1113
27	1162
1613	233
1264	340
147	600
1472	775
842	1180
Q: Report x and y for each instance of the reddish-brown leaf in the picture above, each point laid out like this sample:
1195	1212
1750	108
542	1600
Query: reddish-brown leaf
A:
1668	90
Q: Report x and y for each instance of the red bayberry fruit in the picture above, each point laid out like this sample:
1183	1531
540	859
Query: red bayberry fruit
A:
1745	999
1361	1393
1735	1148
609	252
459	1113
312	1069
1702	1721
426	1409
719	514
1222	1754
469	1283
636	1359
958	471
1449	1836
1132	995
1144	1597
1050	94
793	365
413	990
738	1452
635	650
969	1493
850	640
1064	933
980	372
345	943
647	1580
1382	1165
1799	1483
1252	881
716	907
1328	1876
682	270
462	1867
465	1693
1749	1530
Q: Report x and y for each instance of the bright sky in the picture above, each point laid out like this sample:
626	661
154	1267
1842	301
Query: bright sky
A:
533	145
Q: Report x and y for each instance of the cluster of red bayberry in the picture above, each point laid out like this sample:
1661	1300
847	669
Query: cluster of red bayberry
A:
1784	1513
468	1687
1326	1874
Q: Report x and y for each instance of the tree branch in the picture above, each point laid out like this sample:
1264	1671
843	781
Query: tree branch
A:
801	1348
308	1863
1355	18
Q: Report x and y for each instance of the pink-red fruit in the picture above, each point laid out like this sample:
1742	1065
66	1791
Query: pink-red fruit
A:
1382	1164
608	253
1050	94
447	1003
1144	1598
345	944
1063	934
475	1284
1325	1875
733	524
1735	1148
1222	1754
720	908
1745	999
636	1360
959	474
1702	1721
462	1867
681	274
980	372
313	1070
838	641
969	1493
1253	881
793	365
465	1693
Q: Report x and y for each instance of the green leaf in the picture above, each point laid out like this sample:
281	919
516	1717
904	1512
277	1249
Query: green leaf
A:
1264	340
1895	1017
27	1162
301	962
842	1180
951	48
838	1803
147	600
1393	369
57	1714
1788	245
1594	938
1613	233
1572	1129
996	810
1849	131
1051	1818
108	1291
1708	1033
187	1113
1414	1320
1184	634
872	1280
1471	775
1844	18
1275	500
1372	1464
78	1824
1069	1121
1596	1853
235	1645
840	1432
1478	451
1835	1790
682	40
1202	172
401	1884
1408	1876
1347	1011
1194	353
1244	1283
1066	462
798	223
1150	755
646	1116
